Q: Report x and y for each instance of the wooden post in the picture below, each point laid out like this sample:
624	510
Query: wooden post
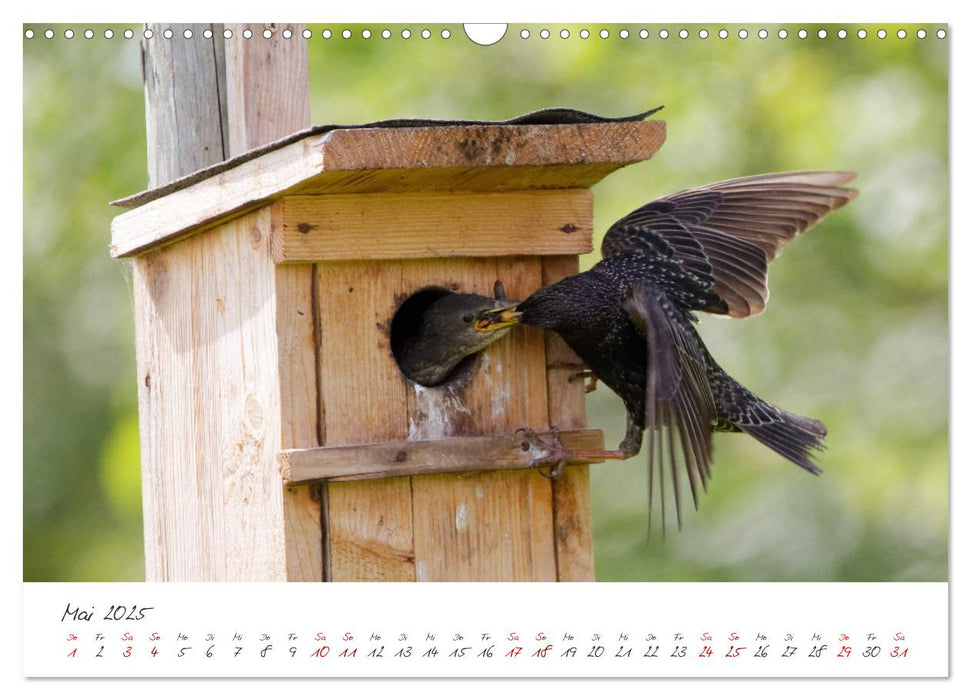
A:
183	119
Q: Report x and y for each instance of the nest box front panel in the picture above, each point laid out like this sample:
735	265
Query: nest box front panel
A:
495	526
428	225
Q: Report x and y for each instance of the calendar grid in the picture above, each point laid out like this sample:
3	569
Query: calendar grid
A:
498	630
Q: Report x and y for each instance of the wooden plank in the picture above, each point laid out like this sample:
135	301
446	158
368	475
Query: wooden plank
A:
369	527
480	158
181	489
433	225
149	280
494	526
244	366
414	457
494	146
567	411
209	406
299	416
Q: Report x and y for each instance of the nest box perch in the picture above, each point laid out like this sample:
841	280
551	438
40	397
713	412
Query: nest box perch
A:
279	439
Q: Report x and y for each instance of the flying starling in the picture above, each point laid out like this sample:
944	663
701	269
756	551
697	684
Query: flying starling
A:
447	331
631	317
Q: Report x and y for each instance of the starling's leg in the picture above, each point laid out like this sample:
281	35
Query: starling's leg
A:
589	377
629	446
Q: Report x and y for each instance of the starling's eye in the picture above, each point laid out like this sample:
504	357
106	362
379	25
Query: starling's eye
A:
468	318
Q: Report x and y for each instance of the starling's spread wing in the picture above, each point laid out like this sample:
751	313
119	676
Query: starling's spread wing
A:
728	232
680	408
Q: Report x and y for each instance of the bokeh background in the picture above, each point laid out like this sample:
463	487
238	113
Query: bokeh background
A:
856	332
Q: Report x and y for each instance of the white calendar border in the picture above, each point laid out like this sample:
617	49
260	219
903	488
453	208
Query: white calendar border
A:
823	10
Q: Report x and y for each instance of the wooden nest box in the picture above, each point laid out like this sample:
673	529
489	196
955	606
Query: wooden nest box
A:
279	439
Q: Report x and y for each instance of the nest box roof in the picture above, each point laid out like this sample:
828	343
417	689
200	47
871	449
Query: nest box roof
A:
549	149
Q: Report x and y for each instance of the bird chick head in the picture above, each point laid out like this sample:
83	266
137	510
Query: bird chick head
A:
470	322
449	330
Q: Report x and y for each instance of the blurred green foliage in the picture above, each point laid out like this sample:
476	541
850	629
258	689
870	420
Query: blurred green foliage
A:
856	332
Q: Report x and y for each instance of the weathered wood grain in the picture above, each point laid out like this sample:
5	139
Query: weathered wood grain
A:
209	203
432	225
297	355
415	457
183	118
267	85
369	527
494	526
181	495
426	159
209	407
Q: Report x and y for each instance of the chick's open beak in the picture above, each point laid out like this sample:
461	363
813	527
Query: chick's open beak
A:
496	319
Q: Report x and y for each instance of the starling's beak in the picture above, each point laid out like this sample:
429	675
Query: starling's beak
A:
497	319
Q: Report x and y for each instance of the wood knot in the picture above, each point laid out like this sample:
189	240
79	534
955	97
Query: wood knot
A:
255	236
569	228
402	456
255	422
305	227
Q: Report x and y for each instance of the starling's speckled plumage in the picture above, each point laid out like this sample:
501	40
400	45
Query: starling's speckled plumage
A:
631	317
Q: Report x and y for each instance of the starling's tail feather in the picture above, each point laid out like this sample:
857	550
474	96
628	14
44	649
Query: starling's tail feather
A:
795	437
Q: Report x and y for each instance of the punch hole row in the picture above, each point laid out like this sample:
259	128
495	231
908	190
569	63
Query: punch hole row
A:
663	34
724	33
246	34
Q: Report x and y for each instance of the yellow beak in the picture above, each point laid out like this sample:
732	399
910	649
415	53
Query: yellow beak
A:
496	319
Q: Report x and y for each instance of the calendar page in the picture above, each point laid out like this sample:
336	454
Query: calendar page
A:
615	630
431	350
